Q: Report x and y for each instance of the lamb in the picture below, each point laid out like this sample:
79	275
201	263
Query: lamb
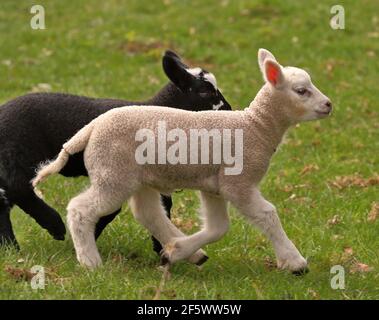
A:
34	127
287	98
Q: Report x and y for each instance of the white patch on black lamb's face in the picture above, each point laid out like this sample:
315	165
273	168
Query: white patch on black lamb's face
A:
218	106
211	78
203	75
194	71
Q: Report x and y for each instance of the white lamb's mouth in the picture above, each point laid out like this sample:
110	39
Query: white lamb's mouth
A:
324	113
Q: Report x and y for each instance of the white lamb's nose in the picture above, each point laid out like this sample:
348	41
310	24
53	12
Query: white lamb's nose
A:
328	105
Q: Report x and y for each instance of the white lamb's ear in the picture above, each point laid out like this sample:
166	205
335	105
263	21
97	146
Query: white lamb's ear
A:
264	54
273	73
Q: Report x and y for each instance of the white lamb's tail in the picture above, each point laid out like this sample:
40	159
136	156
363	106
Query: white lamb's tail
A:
76	144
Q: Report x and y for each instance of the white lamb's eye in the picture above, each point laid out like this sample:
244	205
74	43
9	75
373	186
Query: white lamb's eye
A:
301	91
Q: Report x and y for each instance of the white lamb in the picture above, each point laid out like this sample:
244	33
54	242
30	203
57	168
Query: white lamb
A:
288	97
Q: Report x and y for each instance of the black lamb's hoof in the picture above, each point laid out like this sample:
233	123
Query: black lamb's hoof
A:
300	272
59	232
59	237
202	261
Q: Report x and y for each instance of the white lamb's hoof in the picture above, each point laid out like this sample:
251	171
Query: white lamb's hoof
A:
295	263
174	252
90	262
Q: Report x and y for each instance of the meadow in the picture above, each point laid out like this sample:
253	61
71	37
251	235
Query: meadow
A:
324	179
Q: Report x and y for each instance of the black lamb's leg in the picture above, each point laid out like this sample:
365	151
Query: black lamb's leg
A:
103	222
7	237
167	204
44	215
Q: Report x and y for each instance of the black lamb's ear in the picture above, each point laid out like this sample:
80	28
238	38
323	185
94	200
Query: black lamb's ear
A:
172	54
176	70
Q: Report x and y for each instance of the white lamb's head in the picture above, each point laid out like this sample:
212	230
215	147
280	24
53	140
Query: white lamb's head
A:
303	101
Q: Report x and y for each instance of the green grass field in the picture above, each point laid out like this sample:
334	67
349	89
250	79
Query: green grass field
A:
324	179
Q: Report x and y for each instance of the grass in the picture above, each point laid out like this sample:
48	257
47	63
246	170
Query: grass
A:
105	49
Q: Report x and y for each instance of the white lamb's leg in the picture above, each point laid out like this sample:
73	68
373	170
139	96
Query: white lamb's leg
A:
84	211
147	209
216	224
263	214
